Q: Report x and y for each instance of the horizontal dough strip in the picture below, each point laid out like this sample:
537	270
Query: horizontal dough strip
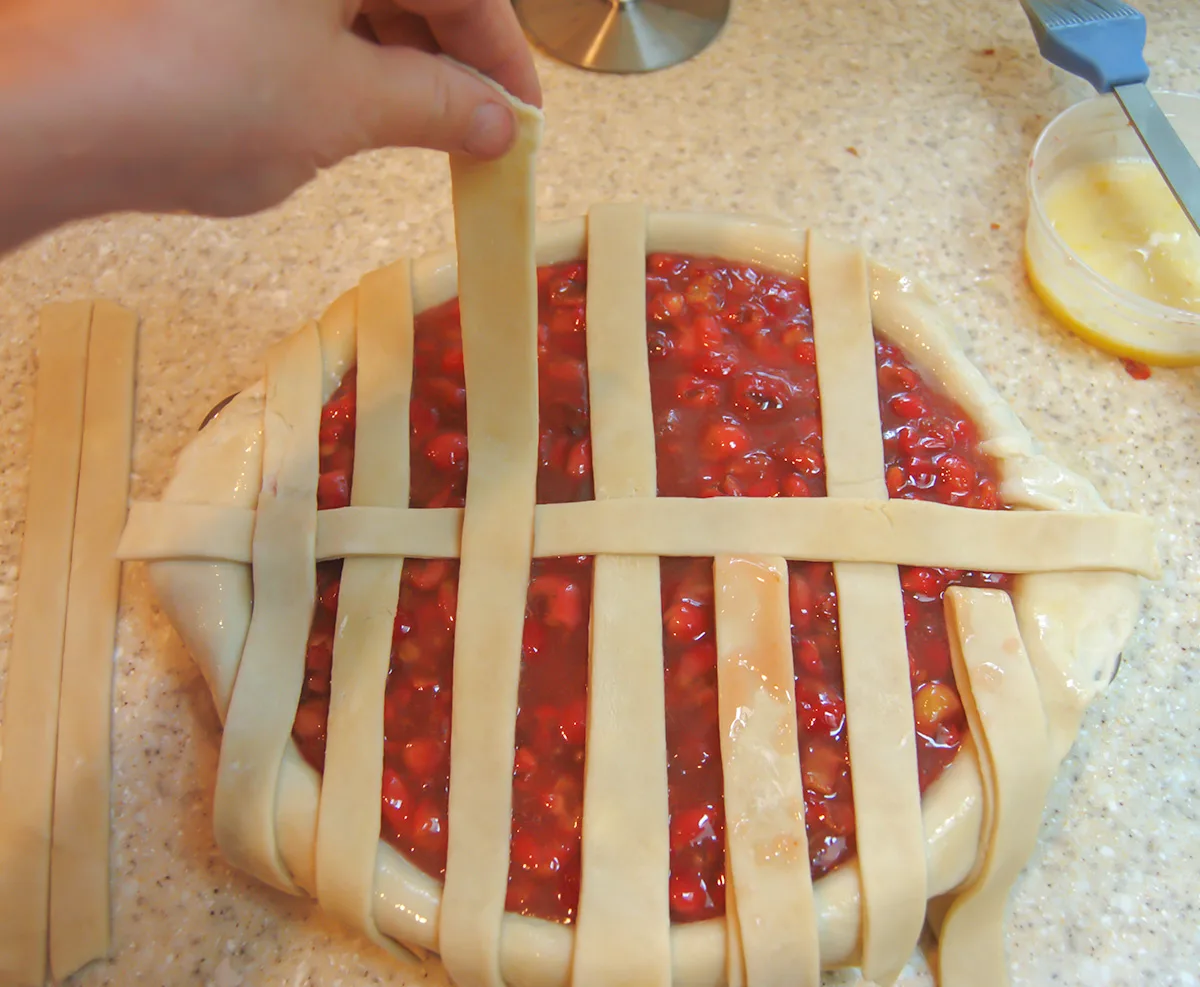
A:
157	532
899	532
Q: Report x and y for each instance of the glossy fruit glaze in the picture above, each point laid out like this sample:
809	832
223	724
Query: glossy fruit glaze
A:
736	413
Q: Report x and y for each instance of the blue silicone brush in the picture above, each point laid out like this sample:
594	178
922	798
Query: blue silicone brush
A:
1101	41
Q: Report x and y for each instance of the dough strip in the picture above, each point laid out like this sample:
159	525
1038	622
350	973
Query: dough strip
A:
271	673
897	532
349	816
624	895
879	715
766	841
30	726
80	924
1003	705
497	281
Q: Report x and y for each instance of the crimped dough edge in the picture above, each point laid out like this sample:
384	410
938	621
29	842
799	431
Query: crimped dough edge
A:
1072	623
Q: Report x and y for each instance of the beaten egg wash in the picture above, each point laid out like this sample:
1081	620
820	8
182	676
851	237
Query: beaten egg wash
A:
1120	218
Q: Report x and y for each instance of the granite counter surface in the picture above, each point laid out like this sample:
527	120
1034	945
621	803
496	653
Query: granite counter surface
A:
905	123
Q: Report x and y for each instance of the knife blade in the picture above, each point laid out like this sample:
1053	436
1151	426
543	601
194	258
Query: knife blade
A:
1164	145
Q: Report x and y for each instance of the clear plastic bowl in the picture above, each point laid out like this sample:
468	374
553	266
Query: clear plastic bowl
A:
1100	311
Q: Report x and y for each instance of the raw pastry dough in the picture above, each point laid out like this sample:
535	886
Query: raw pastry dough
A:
434	533
1073	622
79	853
348	820
899	532
185	532
626	853
879	718
1000	697
766	842
258	724
494	225
35	656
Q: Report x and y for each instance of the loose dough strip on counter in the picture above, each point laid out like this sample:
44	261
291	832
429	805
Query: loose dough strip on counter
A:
30	726
898	532
1004	713
766	842
80	928
879	718
271	672
497	290
349	816
624	893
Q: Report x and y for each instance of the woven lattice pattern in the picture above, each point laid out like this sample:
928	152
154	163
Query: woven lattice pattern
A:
772	928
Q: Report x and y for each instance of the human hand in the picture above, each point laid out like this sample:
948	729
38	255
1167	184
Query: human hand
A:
224	107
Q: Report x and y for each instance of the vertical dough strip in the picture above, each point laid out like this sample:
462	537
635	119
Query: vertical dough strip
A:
1004	712
766	842
349	815
35	656
79	856
497	281
624	895
271	673
881	732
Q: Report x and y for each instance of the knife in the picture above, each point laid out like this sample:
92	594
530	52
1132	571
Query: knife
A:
1178	167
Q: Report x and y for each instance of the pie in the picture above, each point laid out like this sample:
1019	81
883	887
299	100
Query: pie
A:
739	516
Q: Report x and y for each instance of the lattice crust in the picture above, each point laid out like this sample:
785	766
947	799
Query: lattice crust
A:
242	508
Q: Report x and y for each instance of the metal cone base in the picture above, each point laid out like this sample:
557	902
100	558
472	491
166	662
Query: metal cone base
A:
622	36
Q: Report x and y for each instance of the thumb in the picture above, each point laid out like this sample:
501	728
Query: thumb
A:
410	98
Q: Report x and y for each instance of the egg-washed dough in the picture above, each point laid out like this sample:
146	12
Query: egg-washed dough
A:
774	926
999	692
1089	616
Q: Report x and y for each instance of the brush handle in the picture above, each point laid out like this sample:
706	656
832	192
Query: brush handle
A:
1092	50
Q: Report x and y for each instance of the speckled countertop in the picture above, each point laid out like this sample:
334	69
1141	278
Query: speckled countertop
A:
906	123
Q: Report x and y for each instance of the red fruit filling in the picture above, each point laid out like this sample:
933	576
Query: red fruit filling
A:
737	413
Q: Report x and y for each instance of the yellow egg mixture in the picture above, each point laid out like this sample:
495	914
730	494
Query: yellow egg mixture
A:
1120	218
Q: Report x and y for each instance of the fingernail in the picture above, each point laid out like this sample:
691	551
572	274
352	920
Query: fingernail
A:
490	131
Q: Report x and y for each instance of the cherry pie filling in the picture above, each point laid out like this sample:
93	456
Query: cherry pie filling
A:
736	413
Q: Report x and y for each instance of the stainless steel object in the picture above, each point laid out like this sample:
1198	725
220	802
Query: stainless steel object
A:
622	36
1178	167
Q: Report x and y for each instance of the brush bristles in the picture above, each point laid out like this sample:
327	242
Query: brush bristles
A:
1071	13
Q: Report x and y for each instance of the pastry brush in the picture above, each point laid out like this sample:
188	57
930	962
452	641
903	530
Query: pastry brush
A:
1101	41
